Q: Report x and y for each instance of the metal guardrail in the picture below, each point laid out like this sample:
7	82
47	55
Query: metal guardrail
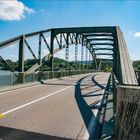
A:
12	78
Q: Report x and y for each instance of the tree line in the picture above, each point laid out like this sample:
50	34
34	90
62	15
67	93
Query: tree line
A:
136	64
60	64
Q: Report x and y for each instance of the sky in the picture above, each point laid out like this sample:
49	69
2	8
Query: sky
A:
24	16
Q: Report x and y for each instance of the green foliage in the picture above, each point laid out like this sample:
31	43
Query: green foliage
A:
59	64
136	64
106	67
13	65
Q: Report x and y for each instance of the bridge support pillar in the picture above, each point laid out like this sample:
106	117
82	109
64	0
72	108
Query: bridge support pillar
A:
127	113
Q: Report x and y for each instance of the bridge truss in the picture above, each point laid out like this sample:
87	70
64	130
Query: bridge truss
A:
103	43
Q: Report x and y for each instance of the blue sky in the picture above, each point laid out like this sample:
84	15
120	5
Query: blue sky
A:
34	15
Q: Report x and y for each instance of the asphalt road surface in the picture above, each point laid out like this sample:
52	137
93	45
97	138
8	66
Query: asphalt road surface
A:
56	110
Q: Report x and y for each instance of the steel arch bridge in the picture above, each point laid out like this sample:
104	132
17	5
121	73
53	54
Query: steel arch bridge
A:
104	43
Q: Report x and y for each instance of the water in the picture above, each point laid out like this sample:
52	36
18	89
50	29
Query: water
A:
10	78
4	77
4	72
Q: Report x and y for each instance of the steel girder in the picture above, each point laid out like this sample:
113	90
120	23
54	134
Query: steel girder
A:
96	39
123	68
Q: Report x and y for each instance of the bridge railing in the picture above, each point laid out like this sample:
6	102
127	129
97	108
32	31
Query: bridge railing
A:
12	78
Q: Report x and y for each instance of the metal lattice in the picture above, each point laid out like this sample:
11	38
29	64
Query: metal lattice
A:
103	43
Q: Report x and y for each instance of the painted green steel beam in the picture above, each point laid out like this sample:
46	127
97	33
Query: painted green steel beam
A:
21	54
91	51
37	33
100	39
103	48
105	59
103	53
106	29
101	44
102	29
46	43
99	35
31	51
9	42
39	48
11	69
52	50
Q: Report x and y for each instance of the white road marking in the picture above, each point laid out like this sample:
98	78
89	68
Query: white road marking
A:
39	99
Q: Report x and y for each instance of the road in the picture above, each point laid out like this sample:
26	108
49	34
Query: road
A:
55	110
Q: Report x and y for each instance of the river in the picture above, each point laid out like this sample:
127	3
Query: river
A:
5	77
4	72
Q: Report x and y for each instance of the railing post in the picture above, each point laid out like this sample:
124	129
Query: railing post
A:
114	90
33	77
11	80
40	75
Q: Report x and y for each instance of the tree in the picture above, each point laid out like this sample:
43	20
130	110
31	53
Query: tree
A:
136	64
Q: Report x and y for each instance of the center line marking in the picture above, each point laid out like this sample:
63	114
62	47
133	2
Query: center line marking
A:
22	106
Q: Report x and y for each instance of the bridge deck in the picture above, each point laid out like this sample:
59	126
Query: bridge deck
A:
54	110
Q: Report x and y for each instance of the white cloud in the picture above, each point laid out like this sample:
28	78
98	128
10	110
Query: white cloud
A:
137	34
13	10
29	10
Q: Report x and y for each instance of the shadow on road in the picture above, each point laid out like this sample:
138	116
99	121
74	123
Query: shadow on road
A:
97	84
86	110
7	133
